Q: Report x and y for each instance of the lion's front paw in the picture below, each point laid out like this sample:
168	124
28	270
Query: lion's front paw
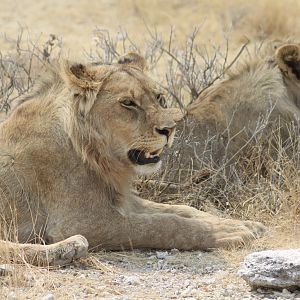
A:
70	249
232	233
257	228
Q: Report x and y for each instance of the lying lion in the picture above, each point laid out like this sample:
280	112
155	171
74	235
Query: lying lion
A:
256	104
69	154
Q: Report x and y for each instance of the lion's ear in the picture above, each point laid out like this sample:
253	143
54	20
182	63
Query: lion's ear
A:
80	76
287	58
133	60
83	83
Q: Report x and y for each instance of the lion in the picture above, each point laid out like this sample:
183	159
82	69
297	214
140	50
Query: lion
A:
257	104
69	154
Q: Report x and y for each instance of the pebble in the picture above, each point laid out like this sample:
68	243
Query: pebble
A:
48	297
208	281
162	254
174	251
284	294
132	280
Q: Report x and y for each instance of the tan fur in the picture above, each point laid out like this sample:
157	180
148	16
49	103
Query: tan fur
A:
65	170
258	98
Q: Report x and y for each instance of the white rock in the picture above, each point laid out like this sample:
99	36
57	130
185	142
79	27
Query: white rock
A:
277	269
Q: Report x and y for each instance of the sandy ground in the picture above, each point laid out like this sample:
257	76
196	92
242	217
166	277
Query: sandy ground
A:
75	20
128	275
138	275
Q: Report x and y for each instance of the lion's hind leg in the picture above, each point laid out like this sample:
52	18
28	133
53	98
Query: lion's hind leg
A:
60	253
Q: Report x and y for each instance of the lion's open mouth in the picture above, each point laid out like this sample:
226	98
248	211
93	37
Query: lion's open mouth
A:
141	157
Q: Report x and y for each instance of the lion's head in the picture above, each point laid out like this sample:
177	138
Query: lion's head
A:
260	97
247	92
119	121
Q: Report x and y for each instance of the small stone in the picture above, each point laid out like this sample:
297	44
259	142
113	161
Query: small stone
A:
132	280
152	257
48	297
285	294
209	281
162	254
186	292
262	291
174	251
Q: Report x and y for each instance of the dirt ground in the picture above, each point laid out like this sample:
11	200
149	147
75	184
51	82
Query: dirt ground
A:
139	274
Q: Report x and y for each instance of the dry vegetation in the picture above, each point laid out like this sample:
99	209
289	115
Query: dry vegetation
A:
258	186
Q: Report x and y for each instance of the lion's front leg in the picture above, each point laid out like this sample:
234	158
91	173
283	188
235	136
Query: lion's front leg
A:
168	230
139	205
223	232
60	253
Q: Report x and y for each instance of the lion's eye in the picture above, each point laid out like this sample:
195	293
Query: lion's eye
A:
161	100
128	103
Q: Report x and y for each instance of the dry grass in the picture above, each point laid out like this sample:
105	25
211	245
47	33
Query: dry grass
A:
184	61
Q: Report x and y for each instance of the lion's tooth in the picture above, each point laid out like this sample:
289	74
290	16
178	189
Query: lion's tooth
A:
147	154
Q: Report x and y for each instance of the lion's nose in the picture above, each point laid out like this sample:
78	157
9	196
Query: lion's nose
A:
167	131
